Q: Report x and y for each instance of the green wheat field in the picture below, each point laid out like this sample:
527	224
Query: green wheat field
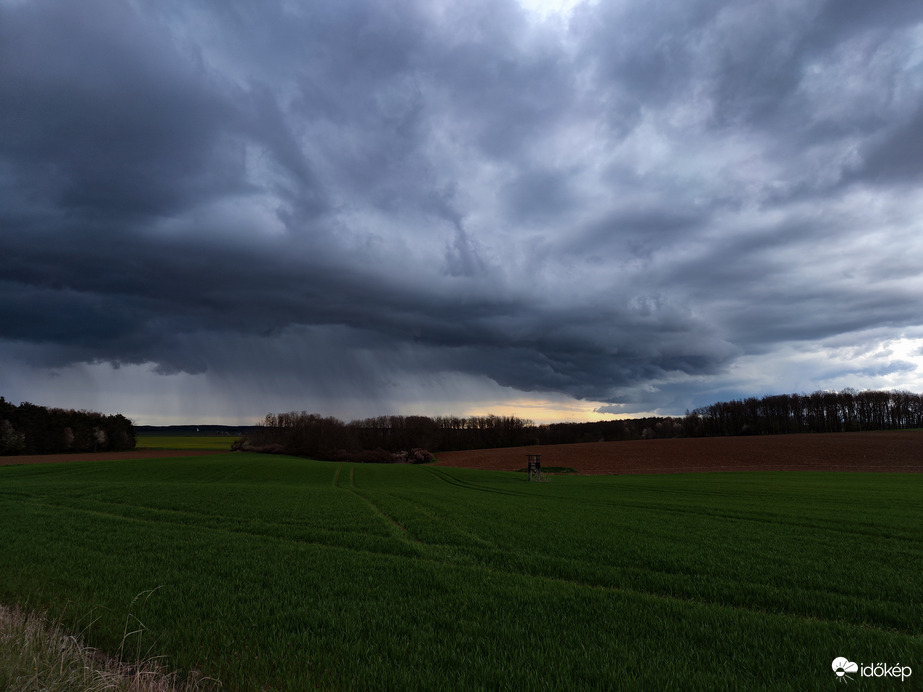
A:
278	573
200	442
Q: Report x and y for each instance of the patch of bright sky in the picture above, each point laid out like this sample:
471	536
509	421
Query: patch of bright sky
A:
879	363
550	8
545	410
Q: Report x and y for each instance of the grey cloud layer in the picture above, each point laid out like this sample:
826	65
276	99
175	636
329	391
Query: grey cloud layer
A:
641	194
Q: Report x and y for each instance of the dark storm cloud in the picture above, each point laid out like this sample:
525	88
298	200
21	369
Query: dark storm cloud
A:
99	118
610	207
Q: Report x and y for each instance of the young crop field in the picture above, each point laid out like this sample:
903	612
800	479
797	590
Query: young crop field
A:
279	573
203	442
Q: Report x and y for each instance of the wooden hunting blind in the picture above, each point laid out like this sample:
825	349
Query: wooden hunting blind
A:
535	466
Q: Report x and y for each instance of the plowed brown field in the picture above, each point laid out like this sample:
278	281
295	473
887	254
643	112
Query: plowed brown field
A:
862	451
101	456
896	451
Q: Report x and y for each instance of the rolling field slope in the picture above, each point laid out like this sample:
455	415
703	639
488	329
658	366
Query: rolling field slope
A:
281	573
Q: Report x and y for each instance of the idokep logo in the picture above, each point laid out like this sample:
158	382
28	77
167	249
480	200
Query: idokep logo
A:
843	666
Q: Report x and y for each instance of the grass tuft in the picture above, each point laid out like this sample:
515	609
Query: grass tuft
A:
37	654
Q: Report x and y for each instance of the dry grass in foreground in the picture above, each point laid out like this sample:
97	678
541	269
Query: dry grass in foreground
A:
36	654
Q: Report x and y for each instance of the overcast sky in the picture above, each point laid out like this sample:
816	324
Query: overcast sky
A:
562	211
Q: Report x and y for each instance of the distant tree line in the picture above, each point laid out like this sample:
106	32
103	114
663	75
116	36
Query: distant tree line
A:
31	429
414	438
844	411
820	412
382	438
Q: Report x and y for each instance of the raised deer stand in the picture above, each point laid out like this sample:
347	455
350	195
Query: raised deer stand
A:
535	466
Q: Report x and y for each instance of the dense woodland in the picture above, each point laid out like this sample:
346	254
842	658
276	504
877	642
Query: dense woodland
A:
380	438
31	429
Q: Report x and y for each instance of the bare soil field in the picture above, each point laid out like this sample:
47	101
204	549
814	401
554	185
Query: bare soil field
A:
102	456
895	451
